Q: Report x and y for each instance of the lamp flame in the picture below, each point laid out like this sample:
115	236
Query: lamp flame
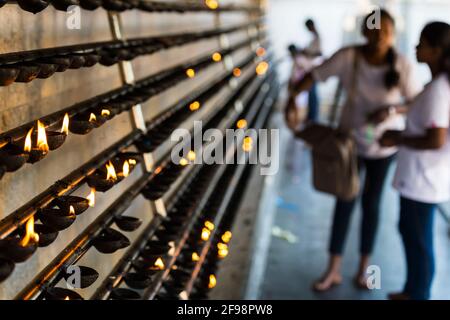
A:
209	225
222	250
226	237
91	198
190	73
191	155
42	138
132	162
183	162
212	281
237	72
262	68
194	106
29	233
65	125
105	113
216	57
27	146
72	210
260	51
212	4
110	172
67	298
92	118
205	234
159	264
195	257
126	169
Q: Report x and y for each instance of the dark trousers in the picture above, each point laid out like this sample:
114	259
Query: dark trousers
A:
416	228
313	104
375	176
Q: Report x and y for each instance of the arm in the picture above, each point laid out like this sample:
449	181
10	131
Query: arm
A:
434	138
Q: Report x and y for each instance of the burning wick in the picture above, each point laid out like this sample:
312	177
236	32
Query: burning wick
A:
159	264
110	172
72	210
67	298
205	234
222	250
92	118
106	113
65	125
226	237
29	234
42	138
195	257
126	169
209	225
27	146
212	281
91	198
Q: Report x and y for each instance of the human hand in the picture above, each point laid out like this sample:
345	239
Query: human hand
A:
391	138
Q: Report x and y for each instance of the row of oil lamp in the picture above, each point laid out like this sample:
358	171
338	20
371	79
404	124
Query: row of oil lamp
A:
61	213
25	67
36	6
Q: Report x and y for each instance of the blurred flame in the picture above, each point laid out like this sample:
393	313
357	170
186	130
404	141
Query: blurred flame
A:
216	57
194	106
29	233
158	170
110	172
241	124
195	257
132	162
262	68
42	138
126	169
72	210
226	237
159	264
191	155
260	51
183	162
65	125
237	72
209	225
27	146
212	4
92	118
247	145
212	281
222	250
91	198
105	113
67	298
205	234
190	73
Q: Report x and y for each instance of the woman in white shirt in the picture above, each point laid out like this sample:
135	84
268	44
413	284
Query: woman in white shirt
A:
379	78
423	168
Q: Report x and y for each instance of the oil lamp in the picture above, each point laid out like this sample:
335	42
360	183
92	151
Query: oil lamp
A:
126	223
19	249
110	240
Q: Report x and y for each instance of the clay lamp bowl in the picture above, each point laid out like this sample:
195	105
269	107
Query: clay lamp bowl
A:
157	247
150	256
33	6
143	266
98	181
80	124
78	204
47	70
47	234
57	218
62	5
12	157
174	287
151	194
61	294
90	59
170	227
90	4
12	249
55	139
127	223
62	62
8	75
110	240
136	280
6	268
124	294
28	72
77	61
165	236
87	276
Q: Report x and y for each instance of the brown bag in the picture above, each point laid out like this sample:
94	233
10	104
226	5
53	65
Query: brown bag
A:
334	155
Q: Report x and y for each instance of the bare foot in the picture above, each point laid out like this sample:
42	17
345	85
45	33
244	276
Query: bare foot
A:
360	282
327	282
398	296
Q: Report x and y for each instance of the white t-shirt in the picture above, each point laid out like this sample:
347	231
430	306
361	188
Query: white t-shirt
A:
370	94
424	175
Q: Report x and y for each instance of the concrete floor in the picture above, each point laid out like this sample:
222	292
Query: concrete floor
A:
292	267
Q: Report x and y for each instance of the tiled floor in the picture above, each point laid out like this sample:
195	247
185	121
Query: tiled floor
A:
291	268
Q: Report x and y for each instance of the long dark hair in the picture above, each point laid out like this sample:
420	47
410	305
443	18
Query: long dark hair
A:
437	34
392	76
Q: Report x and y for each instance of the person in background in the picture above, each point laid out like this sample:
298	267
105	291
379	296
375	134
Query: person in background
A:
423	168
378	81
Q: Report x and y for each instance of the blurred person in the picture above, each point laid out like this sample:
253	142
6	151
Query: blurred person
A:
423	168
378	81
